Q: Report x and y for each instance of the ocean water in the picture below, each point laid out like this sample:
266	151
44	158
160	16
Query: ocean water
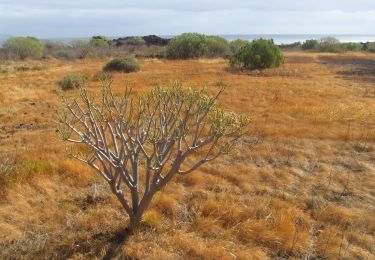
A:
291	38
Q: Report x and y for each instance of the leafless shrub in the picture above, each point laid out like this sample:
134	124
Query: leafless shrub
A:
138	144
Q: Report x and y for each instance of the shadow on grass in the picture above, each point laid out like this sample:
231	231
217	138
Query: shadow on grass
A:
353	68
116	242
269	72
366	74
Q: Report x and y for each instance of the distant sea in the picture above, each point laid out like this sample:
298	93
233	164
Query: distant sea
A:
291	38
278	38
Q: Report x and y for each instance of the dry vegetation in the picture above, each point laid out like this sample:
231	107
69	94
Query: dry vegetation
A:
300	185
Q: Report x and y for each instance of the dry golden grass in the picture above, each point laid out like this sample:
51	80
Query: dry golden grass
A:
301	183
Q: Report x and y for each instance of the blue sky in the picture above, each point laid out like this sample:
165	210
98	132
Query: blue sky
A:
83	18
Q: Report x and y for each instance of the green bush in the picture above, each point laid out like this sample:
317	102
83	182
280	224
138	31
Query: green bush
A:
352	46
102	76
310	44
23	47
72	81
329	44
195	45
369	46
134	41
217	46
127	64
99	41
237	44
259	54
187	46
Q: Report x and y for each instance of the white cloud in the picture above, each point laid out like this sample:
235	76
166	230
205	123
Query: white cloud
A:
68	18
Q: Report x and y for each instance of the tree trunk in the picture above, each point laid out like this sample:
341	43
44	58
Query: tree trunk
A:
134	223
136	218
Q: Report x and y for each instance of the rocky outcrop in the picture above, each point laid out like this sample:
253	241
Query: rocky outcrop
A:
138	41
155	40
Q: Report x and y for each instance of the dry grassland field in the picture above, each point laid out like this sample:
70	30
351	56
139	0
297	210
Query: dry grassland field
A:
300	185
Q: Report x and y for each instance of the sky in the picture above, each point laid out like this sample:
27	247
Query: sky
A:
84	18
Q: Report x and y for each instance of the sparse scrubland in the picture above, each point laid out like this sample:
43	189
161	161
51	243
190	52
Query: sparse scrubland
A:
184	46
329	44
300	183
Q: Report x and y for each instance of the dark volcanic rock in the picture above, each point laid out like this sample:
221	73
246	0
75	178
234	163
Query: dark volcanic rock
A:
130	41
138	41
155	40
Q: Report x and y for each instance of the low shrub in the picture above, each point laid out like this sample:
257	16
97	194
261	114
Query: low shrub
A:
66	55
72	81
81	48
134	41
259	54
78	49
352	46
102	76
99	42
23	48
187	46
369	46
217	46
237	44
329	44
58	50
127	64
196	45
50	46
310	45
